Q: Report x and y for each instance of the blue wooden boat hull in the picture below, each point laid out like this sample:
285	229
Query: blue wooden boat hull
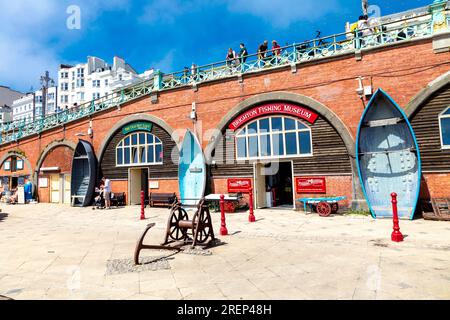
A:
84	173
191	171
388	158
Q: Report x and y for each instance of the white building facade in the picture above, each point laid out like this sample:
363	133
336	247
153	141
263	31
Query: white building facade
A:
29	107
89	81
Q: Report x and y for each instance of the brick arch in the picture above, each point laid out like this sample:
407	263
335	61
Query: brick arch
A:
53	145
4	157
132	118
324	111
421	98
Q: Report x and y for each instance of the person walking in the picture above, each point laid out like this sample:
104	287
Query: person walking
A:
107	192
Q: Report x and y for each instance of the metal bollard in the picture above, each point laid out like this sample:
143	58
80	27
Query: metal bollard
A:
396	236
142	205
223	227
251	217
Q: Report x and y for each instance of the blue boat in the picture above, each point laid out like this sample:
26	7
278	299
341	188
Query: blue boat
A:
388	158
191	171
84	174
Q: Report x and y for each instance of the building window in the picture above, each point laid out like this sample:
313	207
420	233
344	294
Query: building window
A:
80	73
444	127
95	96
106	82
96	83
273	137
64	86
139	148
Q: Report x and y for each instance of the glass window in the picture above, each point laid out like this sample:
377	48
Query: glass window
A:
139	149
304	138
253	128
242	147
253	146
291	143
119	156
289	124
444	123
277	124
274	137
264	125
158	153
264	141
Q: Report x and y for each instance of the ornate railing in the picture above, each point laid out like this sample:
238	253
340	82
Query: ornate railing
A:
338	44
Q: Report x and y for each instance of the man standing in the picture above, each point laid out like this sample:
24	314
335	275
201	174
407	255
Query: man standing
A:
243	53
107	192
262	50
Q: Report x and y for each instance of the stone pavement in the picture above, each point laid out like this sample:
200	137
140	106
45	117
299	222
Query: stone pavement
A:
58	252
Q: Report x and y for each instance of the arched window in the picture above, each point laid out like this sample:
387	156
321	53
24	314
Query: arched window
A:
139	148
444	127
274	137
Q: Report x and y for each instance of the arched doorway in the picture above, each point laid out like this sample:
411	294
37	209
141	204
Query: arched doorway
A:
53	172
316	150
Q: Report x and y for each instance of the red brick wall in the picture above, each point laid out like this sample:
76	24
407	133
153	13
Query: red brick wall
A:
165	186
58	157
333	83
336	186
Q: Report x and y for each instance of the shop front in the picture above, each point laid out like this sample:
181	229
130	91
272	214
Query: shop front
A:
282	150
14	175
137	156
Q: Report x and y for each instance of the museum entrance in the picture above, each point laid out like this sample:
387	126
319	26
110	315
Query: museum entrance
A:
137	181
273	185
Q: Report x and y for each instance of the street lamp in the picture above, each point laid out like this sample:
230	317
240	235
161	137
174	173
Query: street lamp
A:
46	82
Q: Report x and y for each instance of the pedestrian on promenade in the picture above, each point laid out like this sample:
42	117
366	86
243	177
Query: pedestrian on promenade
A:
107	192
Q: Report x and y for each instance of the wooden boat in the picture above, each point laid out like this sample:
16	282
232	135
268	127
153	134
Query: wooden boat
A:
191	171
84	174
388	158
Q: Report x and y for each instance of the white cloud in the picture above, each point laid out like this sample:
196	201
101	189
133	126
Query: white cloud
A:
282	13
166	64
34	32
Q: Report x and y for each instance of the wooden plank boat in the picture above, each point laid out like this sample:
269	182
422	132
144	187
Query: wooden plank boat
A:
388	158
84	174
191	171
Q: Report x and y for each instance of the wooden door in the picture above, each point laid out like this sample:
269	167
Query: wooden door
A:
260	185
134	186
54	188
66	189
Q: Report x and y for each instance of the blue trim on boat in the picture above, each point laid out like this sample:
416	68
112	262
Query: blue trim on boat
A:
419	161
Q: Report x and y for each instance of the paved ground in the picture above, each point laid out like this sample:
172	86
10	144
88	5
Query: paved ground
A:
58	252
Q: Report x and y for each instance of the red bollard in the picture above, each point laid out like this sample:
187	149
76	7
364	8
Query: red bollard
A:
223	227
396	236
251	217
142	205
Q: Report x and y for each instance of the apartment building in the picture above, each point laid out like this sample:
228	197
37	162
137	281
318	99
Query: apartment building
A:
88	81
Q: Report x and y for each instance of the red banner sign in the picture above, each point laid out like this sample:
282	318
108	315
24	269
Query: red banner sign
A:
274	108
311	185
239	185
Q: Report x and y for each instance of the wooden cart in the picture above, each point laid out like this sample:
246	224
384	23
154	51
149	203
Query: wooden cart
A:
323	206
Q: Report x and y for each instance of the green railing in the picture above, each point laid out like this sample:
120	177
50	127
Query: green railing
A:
338	44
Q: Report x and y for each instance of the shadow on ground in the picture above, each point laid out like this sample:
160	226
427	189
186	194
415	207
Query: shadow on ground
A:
3	216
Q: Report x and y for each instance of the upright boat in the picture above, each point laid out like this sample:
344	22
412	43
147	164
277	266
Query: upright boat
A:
191	170
388	158
84	174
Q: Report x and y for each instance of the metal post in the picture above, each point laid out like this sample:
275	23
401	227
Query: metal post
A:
223	227
396	236
142	205
251	217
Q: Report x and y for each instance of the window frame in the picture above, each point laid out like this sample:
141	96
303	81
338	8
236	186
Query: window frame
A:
441	116
138	146
271	133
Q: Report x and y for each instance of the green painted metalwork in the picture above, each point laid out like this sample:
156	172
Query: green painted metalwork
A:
419	27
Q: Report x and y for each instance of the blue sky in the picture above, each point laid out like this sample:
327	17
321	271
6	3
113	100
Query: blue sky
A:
163	34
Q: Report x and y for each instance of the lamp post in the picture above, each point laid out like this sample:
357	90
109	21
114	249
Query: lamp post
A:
46	82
